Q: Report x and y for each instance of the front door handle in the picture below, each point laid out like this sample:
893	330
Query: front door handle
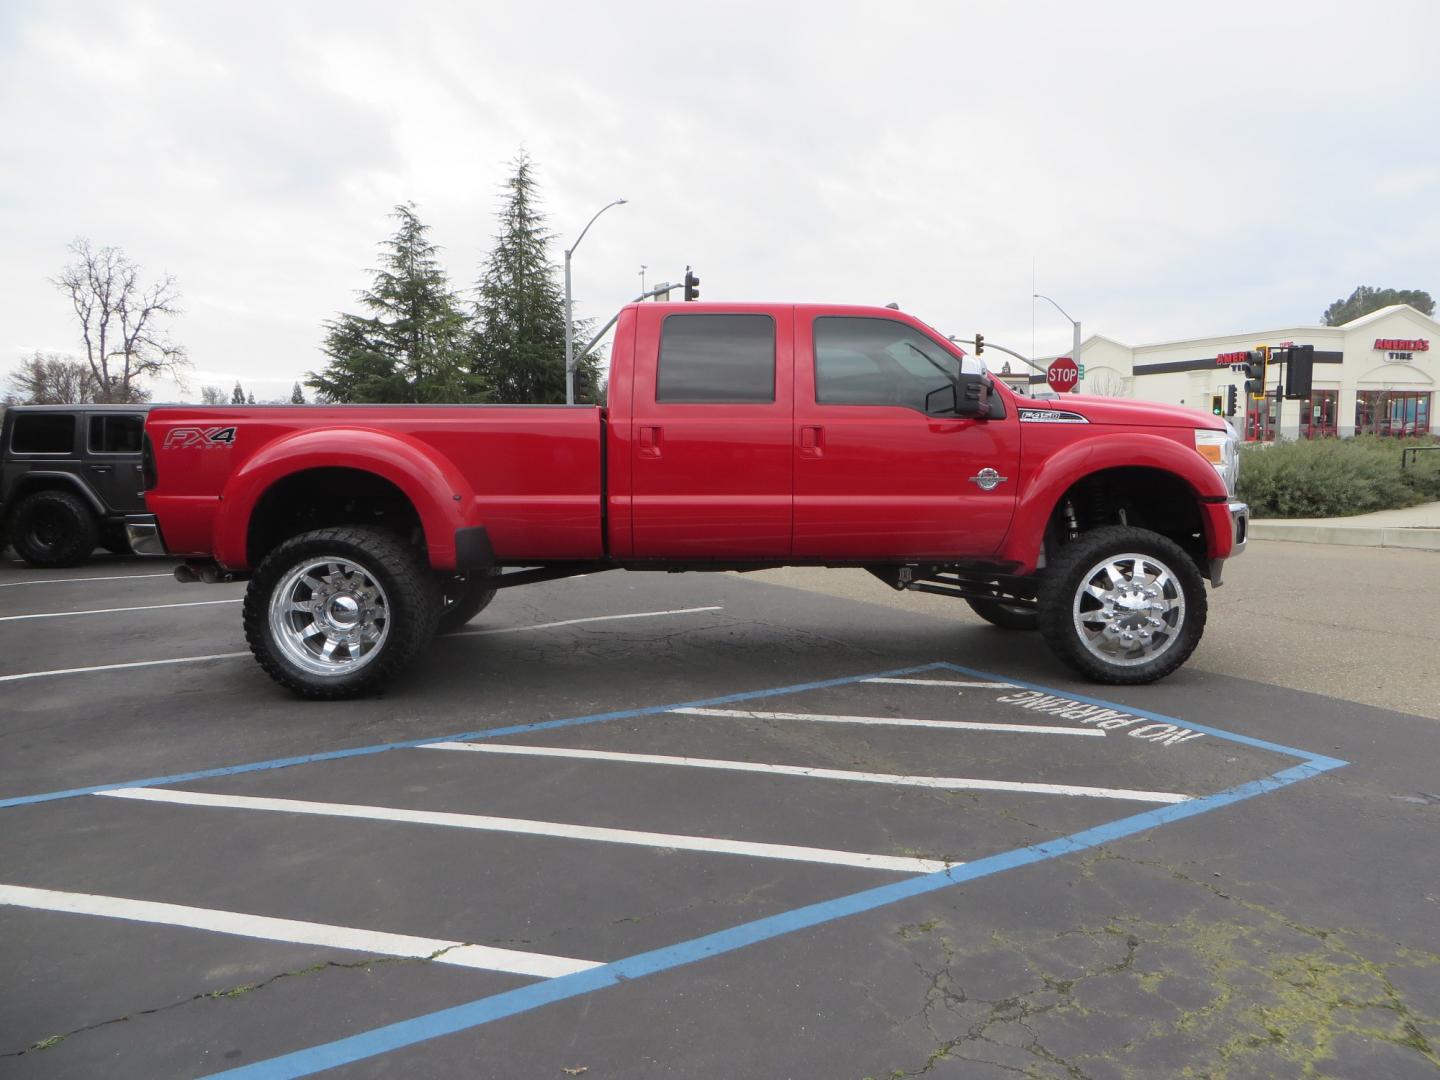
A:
650	442
812	441
99	468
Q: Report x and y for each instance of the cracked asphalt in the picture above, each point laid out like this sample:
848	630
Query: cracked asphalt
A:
1295	933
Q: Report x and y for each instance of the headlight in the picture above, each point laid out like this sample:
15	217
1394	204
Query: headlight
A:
1222	450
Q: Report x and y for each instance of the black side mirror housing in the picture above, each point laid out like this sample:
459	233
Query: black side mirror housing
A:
968	397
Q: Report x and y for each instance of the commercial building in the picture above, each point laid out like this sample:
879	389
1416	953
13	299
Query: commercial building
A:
1377	374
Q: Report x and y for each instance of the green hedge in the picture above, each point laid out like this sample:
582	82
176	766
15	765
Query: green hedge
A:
1335	477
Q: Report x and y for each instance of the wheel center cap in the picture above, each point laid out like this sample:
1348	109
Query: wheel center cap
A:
343	611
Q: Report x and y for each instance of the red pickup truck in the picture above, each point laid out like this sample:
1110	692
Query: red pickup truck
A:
735	436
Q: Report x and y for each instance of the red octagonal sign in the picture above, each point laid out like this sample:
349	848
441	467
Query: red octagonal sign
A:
1062	374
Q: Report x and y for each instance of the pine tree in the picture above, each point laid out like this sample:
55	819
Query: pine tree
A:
520	339
297	397
412	345
237	396
251	399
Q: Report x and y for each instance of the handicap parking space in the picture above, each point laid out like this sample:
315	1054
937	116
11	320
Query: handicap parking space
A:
504	851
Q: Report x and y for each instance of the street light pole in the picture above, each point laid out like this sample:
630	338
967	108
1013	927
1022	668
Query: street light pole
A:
569	312
1075	348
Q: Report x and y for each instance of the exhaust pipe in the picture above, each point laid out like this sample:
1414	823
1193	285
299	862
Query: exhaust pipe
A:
209	573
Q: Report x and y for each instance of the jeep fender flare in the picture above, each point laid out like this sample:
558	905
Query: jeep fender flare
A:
1059	472
32	481
443	499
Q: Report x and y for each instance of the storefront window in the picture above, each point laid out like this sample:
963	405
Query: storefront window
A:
1392	412
1260	419
1318	415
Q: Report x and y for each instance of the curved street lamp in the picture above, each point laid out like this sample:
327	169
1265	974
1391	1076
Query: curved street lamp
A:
569	315
1075	349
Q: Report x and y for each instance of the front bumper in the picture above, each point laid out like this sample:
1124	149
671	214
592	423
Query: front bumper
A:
143	532
1239	537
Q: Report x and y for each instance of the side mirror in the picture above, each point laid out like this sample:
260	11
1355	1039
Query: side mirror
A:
968	397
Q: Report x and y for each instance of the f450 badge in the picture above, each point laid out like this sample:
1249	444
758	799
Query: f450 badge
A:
182	438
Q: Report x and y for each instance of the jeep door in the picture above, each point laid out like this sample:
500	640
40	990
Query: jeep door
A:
112	459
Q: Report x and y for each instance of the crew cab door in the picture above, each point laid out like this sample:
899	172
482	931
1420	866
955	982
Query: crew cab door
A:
712	424
876	475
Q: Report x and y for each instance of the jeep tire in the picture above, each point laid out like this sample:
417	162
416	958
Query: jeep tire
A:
463	596
53	529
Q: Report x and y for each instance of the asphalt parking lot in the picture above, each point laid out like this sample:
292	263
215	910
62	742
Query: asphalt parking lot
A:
691	826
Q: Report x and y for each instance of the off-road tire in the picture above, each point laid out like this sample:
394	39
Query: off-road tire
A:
413	606
1005	616
1068	574
52	529
463	596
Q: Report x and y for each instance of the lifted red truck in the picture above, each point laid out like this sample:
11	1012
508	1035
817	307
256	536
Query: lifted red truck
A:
736	436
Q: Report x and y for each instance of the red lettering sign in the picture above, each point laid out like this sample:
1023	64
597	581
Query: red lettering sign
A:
1231	358
1062	374
1390	344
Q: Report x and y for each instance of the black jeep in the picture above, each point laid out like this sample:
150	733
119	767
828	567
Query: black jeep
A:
68	476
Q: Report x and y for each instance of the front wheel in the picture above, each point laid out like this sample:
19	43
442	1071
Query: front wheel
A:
1122	605
337	612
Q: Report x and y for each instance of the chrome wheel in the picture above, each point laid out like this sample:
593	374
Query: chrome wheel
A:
329	616
1129	609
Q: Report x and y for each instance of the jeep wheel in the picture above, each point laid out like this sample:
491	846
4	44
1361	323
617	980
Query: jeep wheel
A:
1006	616
53	529
1122	605
338	612
463	597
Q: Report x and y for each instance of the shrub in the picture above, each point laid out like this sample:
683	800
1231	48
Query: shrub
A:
1335	477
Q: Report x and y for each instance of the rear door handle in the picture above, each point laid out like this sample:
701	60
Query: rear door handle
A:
99	468
812	441
650	442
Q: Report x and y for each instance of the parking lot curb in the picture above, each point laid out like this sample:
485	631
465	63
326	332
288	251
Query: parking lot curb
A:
1349	535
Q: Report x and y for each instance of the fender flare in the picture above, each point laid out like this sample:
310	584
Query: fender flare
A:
26	483
442	497
1101	451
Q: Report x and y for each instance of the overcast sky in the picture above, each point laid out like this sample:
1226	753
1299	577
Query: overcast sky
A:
1167	170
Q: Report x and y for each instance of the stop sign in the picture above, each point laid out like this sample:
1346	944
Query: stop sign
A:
1062	374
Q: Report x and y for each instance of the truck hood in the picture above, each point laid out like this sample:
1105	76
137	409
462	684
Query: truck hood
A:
1125	411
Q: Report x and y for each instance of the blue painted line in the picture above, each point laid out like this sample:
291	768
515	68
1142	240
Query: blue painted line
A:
1247	740
469	736
482	1011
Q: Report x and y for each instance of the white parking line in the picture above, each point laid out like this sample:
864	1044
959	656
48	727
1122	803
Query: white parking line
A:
590	619
241	924
116	610
948	783
70	580
891	721
945	682
525	827
231	655
119	667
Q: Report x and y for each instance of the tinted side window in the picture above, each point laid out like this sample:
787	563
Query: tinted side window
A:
862	361
709	359
43	433
115	434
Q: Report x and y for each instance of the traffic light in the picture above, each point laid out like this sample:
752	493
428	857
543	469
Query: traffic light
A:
979	343
1217	405
1255	364
1299	371
692	285
1232	405
582	384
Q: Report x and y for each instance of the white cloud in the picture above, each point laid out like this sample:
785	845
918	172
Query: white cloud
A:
1171	171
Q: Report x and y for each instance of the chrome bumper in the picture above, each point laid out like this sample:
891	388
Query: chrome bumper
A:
1239	537
143	532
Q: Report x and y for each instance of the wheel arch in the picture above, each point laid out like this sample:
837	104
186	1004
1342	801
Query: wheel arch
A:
1162	477
33	483
358	476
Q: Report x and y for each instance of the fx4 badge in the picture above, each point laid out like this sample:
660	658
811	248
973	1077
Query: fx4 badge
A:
186	437
988	479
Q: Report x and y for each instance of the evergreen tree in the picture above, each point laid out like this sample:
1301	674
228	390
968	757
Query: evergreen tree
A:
1366	299
520	337
297	397
411	345
251	399
237	396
